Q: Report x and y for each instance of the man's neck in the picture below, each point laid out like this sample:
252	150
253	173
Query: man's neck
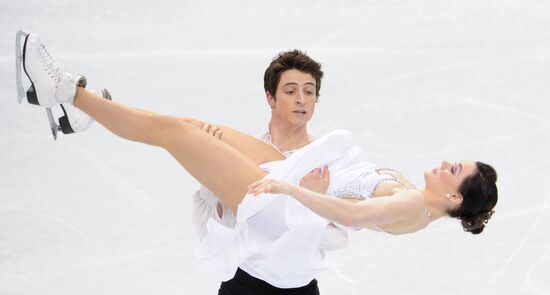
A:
286	137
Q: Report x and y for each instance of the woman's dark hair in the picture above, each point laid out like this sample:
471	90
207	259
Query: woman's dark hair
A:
479	197
292	59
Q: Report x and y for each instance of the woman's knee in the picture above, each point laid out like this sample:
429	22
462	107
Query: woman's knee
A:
192	121
165	129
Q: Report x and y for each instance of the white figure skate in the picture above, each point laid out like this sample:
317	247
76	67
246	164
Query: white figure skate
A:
75	120
50	86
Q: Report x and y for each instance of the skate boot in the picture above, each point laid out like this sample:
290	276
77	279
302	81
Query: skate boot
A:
50	86
75	120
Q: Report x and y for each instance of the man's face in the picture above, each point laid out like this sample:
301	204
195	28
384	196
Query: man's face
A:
294	101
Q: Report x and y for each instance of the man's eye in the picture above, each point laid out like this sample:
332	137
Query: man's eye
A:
289	92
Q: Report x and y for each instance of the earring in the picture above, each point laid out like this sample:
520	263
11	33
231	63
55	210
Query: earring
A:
449	196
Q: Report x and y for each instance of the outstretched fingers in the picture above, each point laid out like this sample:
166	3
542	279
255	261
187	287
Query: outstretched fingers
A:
258	187
271	186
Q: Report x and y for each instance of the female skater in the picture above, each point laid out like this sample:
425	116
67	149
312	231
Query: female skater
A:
276	238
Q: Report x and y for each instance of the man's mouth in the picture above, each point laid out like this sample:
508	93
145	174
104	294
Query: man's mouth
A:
300	112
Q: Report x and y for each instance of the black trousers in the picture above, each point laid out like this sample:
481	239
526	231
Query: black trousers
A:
245	284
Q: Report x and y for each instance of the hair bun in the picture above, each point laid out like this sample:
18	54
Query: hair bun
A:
476	224
488	173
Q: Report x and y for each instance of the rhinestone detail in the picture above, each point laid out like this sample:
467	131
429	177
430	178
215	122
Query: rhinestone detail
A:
363	186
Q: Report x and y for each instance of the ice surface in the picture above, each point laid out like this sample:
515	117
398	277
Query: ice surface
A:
417	82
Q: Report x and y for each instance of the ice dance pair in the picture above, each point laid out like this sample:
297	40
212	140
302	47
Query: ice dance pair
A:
278	224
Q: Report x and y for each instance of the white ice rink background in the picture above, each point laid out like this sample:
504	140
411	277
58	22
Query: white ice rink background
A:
417	82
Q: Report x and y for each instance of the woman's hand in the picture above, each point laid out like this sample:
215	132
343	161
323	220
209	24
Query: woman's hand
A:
212	129
317	180
271	186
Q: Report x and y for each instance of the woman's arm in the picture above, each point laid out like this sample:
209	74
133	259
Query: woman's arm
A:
381	210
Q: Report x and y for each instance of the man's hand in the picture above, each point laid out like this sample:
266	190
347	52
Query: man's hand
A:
316	180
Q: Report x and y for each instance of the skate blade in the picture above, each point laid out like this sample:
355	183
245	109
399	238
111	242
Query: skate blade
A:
53	126
19	37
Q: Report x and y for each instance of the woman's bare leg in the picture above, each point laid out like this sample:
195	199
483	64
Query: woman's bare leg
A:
215	164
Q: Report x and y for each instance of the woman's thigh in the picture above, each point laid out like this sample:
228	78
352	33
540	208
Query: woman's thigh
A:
220	167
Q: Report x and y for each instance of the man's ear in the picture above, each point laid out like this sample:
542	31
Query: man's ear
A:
270	99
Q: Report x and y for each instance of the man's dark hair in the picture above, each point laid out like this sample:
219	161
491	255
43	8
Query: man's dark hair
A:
292	59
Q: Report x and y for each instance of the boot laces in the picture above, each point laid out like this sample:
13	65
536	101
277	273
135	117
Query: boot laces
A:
49	64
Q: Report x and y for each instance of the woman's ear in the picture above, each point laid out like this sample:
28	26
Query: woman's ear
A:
455	198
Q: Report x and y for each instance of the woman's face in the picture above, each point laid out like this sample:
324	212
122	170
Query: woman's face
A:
447	178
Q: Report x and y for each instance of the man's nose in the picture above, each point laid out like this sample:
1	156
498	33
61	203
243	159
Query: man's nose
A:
445	164
300	98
